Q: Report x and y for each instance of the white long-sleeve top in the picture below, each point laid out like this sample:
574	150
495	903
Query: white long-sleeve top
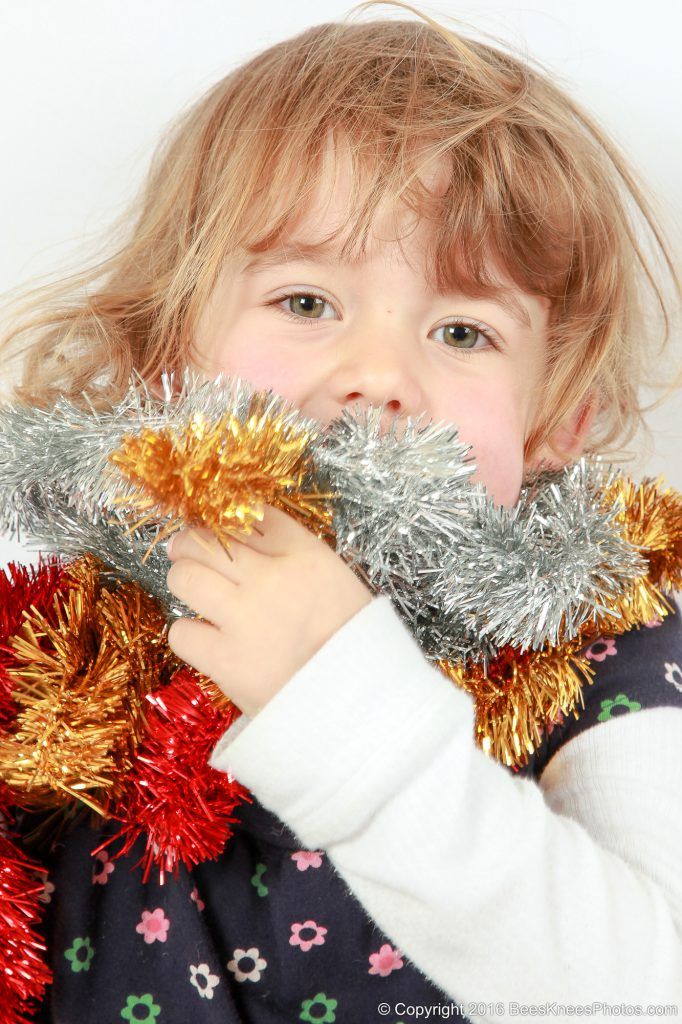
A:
501	889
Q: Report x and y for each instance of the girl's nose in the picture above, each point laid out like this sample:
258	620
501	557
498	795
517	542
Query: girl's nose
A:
381	371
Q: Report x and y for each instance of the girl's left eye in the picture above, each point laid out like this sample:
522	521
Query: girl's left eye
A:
460	334
303	306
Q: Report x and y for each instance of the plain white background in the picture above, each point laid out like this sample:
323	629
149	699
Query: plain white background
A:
88	88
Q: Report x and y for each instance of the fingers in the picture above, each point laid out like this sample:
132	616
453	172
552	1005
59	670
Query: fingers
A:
200	645
206	577
276	535
201	546
205	591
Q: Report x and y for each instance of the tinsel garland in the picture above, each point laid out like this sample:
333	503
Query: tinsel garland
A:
23	971
483	588
81	669
170	774
95	710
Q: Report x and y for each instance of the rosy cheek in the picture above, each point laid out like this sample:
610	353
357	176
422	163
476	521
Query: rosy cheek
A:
491	427
501	473
263	368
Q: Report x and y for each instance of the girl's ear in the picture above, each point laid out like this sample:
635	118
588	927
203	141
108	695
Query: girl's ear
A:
155	386
569	438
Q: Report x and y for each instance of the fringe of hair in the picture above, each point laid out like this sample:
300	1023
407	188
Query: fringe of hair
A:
534	181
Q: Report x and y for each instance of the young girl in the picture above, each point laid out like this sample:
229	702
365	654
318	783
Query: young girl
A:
384	212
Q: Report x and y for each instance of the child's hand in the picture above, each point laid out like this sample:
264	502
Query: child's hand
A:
269	610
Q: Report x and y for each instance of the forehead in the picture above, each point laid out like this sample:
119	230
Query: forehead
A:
322	231
328	207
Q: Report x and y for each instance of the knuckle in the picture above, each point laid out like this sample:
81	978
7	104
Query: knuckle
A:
175	635
176	541
180	634
180	576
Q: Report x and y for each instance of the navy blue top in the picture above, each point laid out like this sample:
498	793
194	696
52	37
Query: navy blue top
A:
269	933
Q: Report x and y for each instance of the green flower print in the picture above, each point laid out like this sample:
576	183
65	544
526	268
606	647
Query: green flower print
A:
257	880
137	1005
80	954
621	701
312	1009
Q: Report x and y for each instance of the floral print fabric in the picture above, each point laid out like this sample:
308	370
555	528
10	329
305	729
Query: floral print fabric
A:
268	933
637	670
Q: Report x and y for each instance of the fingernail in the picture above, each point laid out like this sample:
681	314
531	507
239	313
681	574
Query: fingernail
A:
169	545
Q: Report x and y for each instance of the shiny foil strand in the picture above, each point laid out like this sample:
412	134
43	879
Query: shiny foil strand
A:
175	805
24	973
467	578
72	532
78	681
519	694
73	441
21	587
651	519
221	474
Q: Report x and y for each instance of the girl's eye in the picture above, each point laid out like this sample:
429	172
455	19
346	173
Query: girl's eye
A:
467	337
303	306
461	335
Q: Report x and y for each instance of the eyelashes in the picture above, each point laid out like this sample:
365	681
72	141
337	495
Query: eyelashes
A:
482	329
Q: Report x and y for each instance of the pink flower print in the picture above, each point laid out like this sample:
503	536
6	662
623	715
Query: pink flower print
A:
602	648
48	888
307	859
559	720
309	940
102	869
196	898
247	964
154	926
385	961
652	623
673	674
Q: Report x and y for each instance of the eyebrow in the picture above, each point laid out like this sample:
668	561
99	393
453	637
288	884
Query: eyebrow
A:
502	297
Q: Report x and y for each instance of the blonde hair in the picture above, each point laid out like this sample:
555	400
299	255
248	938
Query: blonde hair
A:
533	181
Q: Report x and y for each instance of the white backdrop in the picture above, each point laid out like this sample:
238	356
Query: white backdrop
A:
86	89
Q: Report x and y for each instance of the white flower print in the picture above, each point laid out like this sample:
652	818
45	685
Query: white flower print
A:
203	981
673	674
249	970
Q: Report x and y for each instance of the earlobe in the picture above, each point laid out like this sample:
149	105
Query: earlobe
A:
569	439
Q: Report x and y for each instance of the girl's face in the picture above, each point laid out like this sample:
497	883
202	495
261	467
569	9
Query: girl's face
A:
327	335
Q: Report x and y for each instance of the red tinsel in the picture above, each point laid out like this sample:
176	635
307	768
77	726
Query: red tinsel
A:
22	587
173	798
23	972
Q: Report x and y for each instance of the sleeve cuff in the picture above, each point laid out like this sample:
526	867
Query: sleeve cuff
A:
347	731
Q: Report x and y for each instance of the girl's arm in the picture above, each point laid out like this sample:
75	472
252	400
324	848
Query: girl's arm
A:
499	888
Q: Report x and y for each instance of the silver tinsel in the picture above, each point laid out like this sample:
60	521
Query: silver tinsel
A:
467	576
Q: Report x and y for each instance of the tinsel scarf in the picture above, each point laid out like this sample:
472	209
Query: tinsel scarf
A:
98	715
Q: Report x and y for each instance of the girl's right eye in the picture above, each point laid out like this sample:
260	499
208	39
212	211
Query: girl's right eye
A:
305	307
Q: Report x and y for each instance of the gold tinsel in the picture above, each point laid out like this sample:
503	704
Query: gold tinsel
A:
522	692
518	694
652	523
221	474
198	478
79	683
79	679
651	519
